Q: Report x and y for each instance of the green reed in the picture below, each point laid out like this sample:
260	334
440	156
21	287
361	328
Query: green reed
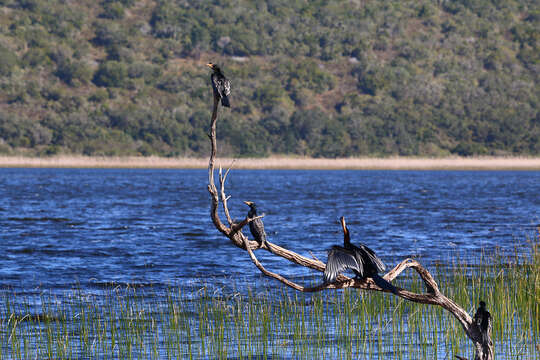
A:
199	322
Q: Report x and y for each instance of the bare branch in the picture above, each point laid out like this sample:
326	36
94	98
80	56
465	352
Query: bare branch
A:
211	186
224	198
313	256
424	274
238	226
229	169
277	276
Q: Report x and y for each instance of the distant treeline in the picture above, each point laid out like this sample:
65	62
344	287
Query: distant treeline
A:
318	78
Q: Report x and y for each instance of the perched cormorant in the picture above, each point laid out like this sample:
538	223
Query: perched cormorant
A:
482	319
256	226
220	84
360	259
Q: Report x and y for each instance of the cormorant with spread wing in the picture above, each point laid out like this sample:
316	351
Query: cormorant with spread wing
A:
256	226
360	259
482	319
220	84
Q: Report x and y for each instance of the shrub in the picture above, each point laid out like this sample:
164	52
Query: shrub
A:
468	149
111	73
170	84
73	72
8	60
99	95
113	10
109	35
35	57
148	72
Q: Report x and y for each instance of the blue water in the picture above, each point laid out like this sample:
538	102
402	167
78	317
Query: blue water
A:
60	227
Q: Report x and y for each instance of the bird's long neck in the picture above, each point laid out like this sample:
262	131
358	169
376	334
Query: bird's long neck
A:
252	212
346	235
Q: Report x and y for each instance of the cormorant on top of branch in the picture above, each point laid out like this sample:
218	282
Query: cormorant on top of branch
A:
482	319
256	226
220	84
360	259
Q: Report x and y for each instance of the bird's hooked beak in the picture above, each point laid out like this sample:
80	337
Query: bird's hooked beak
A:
210	65
248	203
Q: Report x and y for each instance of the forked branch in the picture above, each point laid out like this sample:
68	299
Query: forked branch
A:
233	232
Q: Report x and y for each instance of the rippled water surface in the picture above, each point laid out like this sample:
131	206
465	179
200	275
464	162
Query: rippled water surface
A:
59	227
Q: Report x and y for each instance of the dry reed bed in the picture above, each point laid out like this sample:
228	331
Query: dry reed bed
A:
394	163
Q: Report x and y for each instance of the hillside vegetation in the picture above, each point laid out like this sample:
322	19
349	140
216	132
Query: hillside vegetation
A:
316	78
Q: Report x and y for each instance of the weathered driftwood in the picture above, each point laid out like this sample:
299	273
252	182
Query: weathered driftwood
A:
233	231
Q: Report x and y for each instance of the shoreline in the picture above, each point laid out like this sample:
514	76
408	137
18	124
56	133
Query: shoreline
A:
292	163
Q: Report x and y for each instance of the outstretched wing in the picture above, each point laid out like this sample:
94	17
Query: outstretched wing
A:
374	259
339	260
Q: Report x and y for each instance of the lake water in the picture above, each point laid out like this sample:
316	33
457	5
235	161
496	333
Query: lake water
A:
60	227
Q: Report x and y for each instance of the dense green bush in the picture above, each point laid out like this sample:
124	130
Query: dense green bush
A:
109	34
73	72
113	10
35	57
8	60
111	74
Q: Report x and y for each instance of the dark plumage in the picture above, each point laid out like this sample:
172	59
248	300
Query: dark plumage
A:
360	259
256	226
482	319
220	84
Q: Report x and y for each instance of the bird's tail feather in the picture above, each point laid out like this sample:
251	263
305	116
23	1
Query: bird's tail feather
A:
225	101
383	284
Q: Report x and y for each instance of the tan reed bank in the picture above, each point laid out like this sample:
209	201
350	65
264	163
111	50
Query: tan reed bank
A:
393	163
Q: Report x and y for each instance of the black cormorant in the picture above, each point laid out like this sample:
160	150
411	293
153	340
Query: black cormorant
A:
256	226
482	319
220	84
360	259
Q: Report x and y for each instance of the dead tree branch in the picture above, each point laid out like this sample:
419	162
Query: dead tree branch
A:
233	232
224	198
